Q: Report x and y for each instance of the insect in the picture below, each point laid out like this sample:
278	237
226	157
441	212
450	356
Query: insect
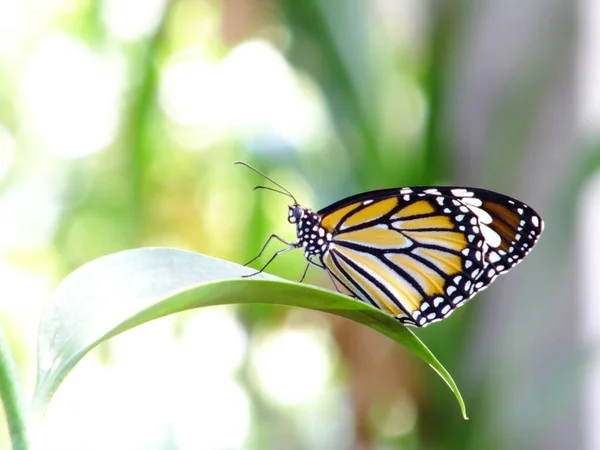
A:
416	253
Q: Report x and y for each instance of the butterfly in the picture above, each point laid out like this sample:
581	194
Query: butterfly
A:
416	253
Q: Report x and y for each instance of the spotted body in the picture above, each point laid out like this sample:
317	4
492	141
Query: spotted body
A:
417	253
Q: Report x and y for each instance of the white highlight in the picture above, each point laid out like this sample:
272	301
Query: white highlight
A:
252	91
72	95
8	150
131	20
279	361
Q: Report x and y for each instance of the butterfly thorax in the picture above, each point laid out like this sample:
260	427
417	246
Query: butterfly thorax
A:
311	235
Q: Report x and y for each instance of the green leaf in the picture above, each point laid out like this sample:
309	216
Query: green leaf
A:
117	292
12	397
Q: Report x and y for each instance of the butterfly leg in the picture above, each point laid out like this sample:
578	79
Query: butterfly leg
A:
349	293
275	255
265	246
304	274
310	261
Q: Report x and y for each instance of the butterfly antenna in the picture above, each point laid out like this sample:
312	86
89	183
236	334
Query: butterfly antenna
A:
283	191
268	188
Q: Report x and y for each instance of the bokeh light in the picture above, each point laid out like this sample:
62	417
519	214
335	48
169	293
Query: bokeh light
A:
131	20
252	91
281	363
86	84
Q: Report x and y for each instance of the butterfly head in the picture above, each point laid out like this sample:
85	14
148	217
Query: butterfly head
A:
296	213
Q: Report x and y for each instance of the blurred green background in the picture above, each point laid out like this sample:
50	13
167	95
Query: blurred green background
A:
120	121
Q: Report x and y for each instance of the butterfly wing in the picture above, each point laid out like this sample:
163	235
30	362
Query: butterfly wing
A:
419	253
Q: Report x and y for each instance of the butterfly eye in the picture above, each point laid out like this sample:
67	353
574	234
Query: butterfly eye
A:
296	213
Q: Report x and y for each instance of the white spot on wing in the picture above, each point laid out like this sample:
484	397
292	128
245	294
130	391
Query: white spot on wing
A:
473	201
494	257
491	237
461	192
484	216
535	221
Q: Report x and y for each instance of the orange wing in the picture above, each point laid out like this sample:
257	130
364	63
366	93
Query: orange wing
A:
419	253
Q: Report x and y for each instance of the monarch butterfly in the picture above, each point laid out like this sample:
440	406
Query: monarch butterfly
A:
416	253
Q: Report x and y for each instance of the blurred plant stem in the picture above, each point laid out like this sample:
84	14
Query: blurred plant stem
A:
444	19
12	397
342	72
139	128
